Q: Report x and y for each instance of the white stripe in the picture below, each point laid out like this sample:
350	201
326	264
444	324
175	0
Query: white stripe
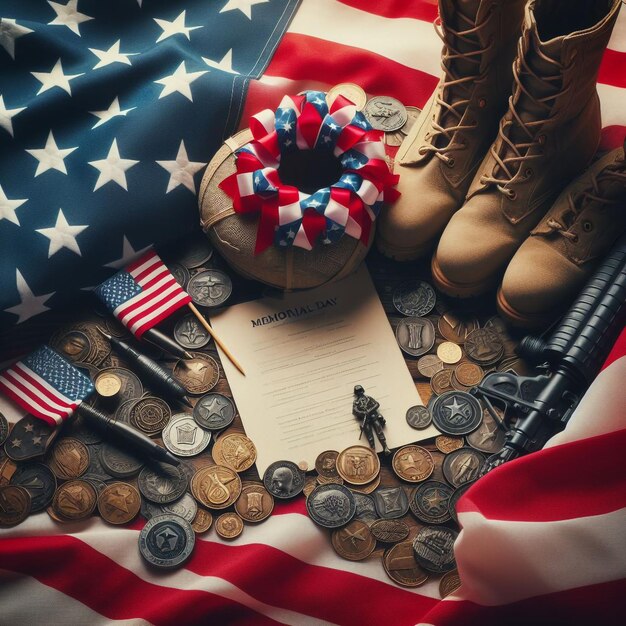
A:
146	296
408	41
159	270
267	119
368	192
245	184
149	262
26	601
24	370
618	38
502	562
337	212
166	305
612	104
138	316
32	401
289	213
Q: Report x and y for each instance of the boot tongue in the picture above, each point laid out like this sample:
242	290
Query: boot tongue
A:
451	11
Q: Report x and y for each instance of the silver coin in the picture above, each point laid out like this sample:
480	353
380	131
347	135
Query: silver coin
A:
415	335
434	549
185	507
488	437
331	505
119	463
419	417
391	502
413	114
180	273
462	466
365	507
214	411
183	437
456	413
162	483
196	251
385	113
284	479
190	334
210	288
166	541
414	298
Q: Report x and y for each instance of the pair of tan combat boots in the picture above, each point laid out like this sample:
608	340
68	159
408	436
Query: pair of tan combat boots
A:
482	169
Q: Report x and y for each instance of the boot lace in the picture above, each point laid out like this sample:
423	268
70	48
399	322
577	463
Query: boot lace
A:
454	112
578	201
531	145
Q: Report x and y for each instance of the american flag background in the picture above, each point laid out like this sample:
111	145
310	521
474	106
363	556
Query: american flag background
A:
106	158
142	294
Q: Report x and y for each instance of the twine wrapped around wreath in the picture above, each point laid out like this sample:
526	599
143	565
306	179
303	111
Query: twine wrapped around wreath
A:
235	233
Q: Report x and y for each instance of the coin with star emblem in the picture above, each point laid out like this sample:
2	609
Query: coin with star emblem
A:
456	413
429	502
214	411
29	438
353	542
166	541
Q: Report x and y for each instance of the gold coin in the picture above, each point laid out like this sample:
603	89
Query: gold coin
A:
304	466
229	526
108	385
323	480
119	503
74	500
216	487
367	488
358	465
449	583
255	503
447	444
202	521
413	463
309	486
351	91
449	352
235	450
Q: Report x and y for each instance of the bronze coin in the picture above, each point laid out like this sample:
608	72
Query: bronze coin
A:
326	464
255	503
441	381
447	443
304	466
323	480
462	466
449	583
413	463
119	503
400	564
309	486
7	469
131	385
197	375
358	465
457	386
484	346
429	364
74	500
107	384
202	521
455	326
150	415
488	437
353	542
74	345
449	352
469	374
235	450
229	526
368	488
69	458
389	530
14	505
216	487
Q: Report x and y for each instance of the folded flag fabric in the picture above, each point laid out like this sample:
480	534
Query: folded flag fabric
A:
142	294
46	385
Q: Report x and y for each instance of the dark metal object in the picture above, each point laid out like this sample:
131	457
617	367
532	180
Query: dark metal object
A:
365	408
126	433
161	340
155	375
166	541
331	505
571	359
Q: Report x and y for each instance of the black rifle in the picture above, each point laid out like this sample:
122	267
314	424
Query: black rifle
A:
571	359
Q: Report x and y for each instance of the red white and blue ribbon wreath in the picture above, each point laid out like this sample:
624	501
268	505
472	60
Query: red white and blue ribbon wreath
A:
289	217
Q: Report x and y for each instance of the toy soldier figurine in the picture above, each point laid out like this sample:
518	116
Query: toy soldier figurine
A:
366	408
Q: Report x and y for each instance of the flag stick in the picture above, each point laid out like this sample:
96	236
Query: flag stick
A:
217	340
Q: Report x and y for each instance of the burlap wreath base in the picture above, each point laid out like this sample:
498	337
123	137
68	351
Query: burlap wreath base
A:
234	235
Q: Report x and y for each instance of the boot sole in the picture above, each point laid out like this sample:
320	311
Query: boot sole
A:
517	318
457	290
402	254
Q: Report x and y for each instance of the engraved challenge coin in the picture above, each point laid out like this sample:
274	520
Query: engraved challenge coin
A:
331	505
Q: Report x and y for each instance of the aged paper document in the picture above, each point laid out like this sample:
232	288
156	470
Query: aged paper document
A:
303	353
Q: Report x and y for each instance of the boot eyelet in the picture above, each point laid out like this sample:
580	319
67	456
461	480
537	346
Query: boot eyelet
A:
512	194
482	103
587	226
450	162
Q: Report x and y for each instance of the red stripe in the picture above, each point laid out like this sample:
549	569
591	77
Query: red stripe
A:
303	57
131	267
27	407
613	68
612	137
590	605
425	10
158	267
34	379
72	567
619	350
154	321
131	315
576	479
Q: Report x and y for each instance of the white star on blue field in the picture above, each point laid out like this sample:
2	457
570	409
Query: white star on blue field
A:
109	112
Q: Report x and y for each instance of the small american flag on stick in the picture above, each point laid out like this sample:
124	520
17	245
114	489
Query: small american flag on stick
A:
46	385
143	294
